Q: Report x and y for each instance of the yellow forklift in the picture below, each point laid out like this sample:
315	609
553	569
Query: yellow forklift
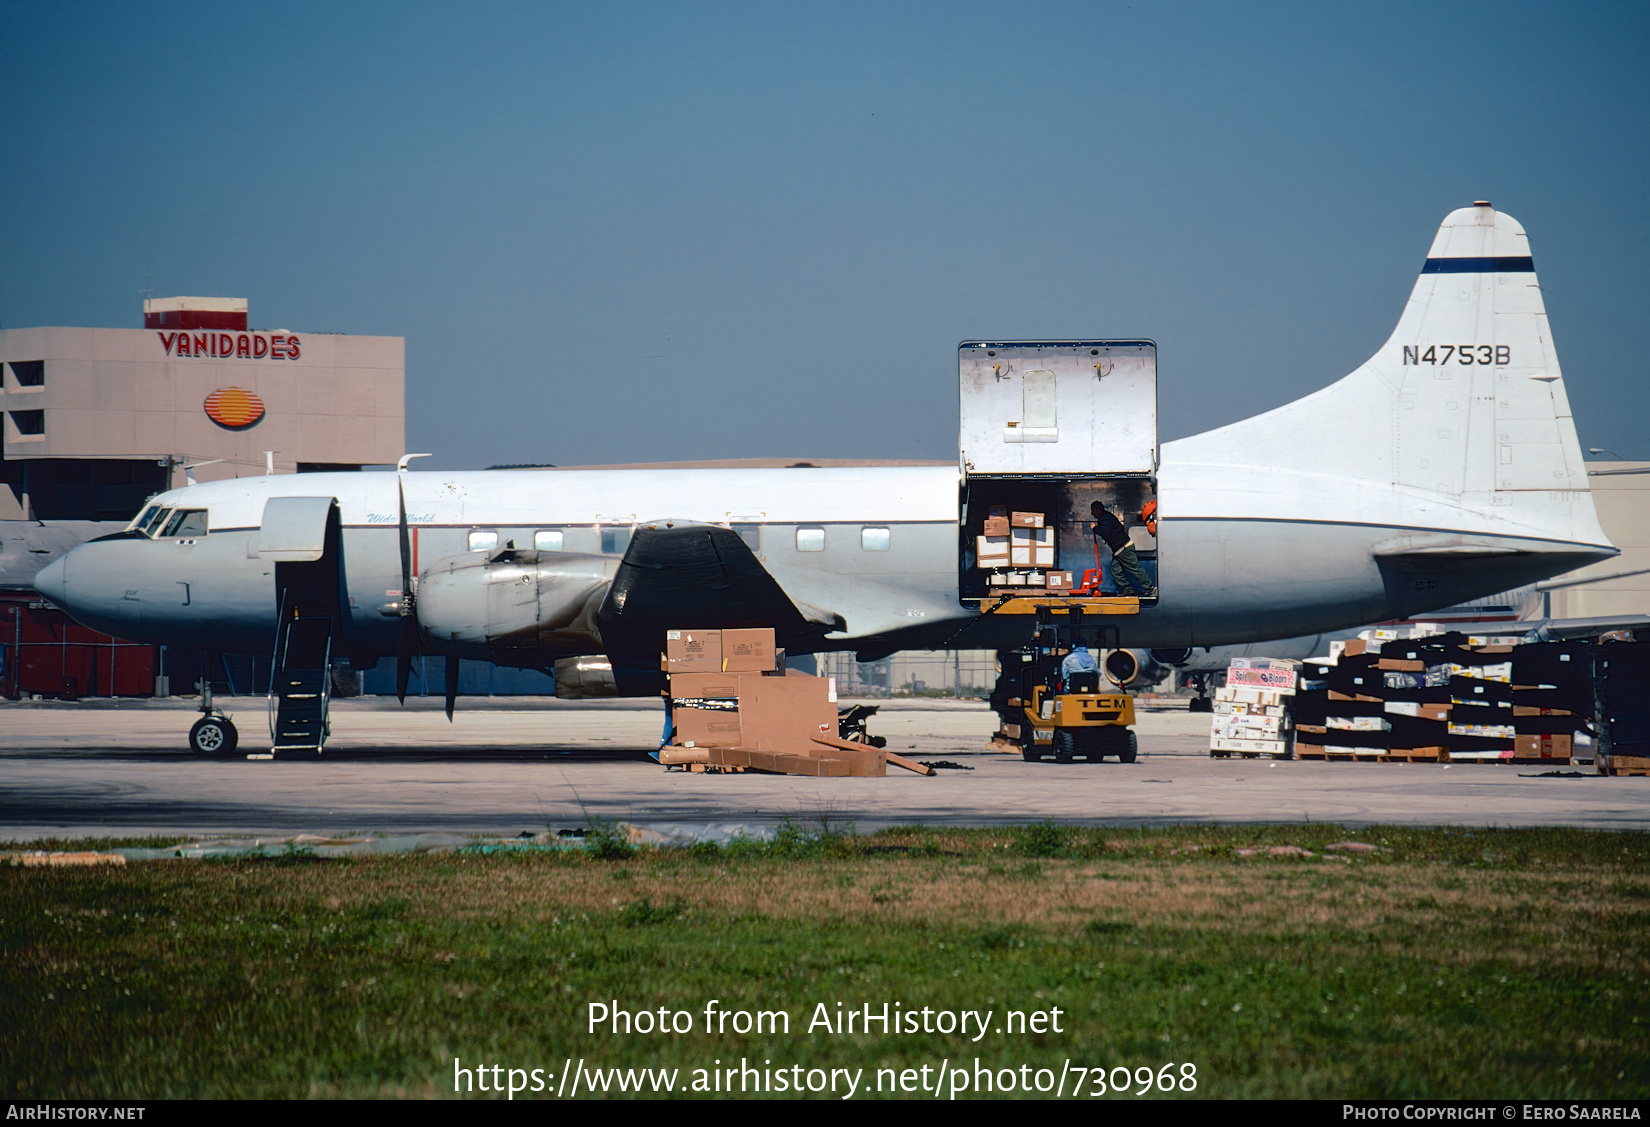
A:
1067	715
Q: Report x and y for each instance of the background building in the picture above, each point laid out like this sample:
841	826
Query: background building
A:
97	420
1621	493
93	422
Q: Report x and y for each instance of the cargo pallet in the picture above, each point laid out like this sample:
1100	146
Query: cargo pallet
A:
1376	755
1626	766
1437	755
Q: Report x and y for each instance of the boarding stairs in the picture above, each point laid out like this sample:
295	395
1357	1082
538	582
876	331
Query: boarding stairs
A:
300	684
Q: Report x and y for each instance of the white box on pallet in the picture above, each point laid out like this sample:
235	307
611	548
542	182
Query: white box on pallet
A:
1358	724
1265	747
1031	547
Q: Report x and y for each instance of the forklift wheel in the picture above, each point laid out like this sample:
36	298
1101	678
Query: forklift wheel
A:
1128	754
1030	752
1065	745
213	735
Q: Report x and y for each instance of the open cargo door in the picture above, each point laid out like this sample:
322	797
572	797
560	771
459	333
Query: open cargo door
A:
1049	429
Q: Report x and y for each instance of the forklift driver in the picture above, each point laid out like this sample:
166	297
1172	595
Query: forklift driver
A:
1078	662
1128	570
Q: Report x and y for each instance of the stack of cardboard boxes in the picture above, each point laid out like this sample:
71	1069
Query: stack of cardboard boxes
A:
1414	695
734	706
1017	549
1623	677
1252	710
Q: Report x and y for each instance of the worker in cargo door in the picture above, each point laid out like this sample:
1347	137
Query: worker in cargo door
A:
1126	567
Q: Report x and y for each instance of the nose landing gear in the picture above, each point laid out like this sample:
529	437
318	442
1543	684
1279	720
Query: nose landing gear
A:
213	734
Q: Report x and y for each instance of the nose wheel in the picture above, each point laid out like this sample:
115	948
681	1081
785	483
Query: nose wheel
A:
213	736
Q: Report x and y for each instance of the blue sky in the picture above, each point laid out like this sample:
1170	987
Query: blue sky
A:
636	232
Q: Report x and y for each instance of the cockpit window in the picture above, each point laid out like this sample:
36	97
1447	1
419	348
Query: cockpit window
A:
186	522
151	520
141	521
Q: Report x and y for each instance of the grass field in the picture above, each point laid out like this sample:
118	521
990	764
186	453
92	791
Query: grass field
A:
1447	964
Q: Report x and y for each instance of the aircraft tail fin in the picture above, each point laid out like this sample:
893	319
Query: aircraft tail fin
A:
1464	404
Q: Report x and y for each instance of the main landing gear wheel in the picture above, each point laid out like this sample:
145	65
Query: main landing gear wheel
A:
213	735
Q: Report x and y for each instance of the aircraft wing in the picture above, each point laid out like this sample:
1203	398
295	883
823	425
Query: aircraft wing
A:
1563	629
678	576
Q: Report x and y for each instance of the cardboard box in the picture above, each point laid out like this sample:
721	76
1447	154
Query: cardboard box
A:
1352	647
1398	665
1358	723
1526	710
863	760
1031	547
701	727
1419	711
785	713
1542	747
1264	747
693	651
1025	520
698	686
812	765
1262	678
991	551
747	651
995	526
1058	580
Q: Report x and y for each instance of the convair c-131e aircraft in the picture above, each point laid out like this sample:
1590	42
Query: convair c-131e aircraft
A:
1445	468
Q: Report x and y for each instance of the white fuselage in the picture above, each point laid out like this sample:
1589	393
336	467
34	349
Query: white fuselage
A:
1242	555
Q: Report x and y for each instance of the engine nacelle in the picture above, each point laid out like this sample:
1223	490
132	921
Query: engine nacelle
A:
1137	669
585	678
1123	667
515	607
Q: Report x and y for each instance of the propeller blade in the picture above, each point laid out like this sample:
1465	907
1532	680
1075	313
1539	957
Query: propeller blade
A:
452	685
408	643
405	647
406	541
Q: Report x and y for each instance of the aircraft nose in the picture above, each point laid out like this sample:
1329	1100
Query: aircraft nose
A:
52	581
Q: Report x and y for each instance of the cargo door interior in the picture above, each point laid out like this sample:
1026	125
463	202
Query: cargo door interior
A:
1048	428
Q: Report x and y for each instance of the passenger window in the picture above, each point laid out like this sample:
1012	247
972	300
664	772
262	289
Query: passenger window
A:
186	522
873	539
751	534
548	541
483	541
810	539
615	541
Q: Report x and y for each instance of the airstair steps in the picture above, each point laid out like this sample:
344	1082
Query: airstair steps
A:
300	684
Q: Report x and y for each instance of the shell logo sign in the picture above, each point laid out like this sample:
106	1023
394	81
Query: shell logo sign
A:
234	407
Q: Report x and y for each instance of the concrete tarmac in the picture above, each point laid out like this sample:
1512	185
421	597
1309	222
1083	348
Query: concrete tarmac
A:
505	765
